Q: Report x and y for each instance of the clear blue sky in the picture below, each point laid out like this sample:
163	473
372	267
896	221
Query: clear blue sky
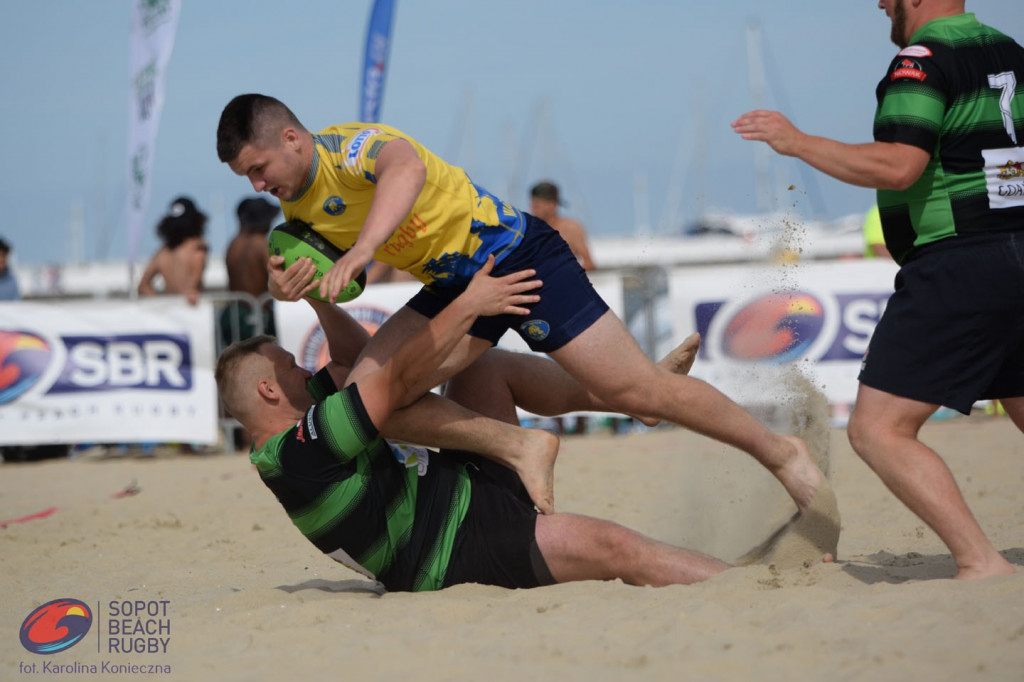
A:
596	94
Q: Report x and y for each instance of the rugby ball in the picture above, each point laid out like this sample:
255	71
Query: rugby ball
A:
296	239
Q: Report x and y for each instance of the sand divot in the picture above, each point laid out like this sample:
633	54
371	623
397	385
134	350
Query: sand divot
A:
805	538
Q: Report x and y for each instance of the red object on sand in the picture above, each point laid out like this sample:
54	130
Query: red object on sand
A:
38	515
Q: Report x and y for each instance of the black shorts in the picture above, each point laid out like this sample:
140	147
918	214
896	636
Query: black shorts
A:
568	302
496	543
953	331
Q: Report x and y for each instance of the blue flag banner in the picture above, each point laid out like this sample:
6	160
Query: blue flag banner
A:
378	44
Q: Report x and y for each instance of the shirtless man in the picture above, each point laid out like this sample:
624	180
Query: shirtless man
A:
544	202
182	258
246	260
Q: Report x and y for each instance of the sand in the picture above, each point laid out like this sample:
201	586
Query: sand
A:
248	598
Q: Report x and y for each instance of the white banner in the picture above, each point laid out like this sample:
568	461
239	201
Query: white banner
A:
107	372
153	26
757	321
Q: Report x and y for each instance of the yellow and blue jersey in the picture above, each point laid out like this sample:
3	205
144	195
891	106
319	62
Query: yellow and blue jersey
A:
452	228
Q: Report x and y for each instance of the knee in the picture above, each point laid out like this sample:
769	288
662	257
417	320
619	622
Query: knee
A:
868	436
641	396
614	544
859	433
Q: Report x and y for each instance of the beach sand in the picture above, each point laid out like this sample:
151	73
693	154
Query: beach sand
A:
248	598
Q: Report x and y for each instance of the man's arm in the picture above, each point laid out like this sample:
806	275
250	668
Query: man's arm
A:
576	237
400	178
385	389
346	338
879	165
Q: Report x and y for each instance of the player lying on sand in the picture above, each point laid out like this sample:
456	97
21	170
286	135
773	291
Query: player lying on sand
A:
536	385
411	518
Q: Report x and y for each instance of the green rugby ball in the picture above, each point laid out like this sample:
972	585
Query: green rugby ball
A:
296	239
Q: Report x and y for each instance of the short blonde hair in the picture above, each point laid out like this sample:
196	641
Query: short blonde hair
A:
230	371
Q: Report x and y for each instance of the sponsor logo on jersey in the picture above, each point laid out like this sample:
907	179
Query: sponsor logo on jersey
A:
1004	177
334	205
355	146
310	425
1012	170
919	51
405	235
908	68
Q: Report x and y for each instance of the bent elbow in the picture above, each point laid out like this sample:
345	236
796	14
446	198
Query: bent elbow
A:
904	167
899	180
904	182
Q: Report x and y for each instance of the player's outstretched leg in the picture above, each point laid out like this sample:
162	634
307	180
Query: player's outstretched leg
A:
579	547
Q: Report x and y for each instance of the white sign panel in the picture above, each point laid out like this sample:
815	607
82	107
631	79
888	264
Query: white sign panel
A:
107	372
756	320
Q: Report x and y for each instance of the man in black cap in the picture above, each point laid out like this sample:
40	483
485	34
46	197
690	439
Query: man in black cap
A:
246	261
544	202
182	258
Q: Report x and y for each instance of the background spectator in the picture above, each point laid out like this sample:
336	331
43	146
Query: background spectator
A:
8	284
182	259
544	202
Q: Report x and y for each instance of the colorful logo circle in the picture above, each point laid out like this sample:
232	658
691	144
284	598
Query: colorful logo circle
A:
314	353
56	626
777	328
23	359
334	205
537	330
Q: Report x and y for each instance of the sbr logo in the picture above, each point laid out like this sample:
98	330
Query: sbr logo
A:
149	361
55	626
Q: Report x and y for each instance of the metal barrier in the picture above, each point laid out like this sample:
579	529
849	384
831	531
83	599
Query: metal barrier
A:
237	316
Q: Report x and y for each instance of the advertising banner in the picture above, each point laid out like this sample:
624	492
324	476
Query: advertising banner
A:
107	372
375	60
757	322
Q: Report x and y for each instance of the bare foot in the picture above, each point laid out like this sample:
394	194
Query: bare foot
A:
810	537
678	361
536	467
800	475
997	567
813	532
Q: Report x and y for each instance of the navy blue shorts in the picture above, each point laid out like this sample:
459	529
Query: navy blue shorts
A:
568	302
953	331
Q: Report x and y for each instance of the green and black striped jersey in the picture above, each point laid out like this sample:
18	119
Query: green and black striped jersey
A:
388	511
957	91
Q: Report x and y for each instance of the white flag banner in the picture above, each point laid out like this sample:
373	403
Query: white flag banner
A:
153	26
